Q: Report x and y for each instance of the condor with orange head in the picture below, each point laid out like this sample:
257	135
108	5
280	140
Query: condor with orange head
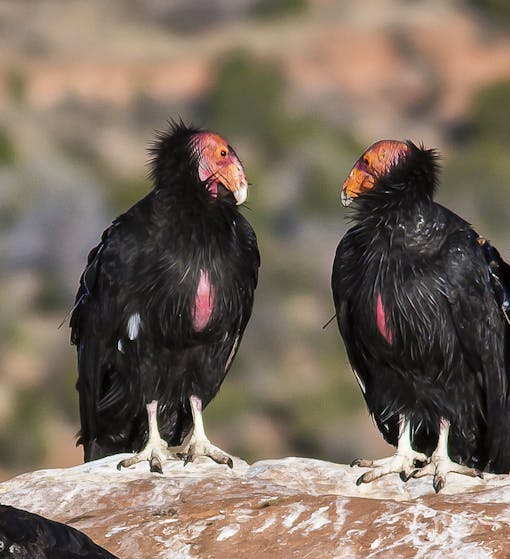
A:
423	307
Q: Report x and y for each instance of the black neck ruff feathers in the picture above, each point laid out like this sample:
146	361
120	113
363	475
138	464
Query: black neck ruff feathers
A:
173	157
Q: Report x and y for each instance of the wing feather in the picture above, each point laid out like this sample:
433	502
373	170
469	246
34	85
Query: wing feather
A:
476	296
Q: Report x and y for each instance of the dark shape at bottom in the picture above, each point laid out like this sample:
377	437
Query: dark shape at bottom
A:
24	535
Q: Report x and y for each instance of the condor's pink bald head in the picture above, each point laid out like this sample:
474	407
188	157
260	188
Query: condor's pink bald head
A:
218	164
375	162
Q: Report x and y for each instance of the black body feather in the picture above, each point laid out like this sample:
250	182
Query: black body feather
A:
149	262
444	292
24	535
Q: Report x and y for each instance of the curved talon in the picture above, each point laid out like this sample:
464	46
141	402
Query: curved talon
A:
427	470
363	463
222	459
413	473
128	462
361	479
438	483
155	465
406	476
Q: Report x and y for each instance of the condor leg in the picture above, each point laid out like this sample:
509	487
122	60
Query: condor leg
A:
402	462
197	443
156	449
440	463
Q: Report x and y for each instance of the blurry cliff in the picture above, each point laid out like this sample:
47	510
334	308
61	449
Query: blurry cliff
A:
299	87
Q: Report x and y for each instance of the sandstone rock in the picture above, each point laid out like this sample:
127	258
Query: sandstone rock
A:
292	507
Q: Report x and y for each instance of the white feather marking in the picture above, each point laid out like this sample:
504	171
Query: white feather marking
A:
120	347
133	326
232	353
360	382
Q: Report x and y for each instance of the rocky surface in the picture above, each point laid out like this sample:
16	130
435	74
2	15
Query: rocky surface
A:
292	507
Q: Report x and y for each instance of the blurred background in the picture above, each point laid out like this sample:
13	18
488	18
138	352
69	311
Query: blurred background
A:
299	87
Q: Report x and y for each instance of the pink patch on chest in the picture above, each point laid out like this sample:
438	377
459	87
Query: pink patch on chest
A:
381	321
204	302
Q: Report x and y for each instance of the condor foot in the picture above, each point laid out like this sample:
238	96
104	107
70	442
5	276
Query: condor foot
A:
155	454
201	447
440	466
197	443
156	449
403	464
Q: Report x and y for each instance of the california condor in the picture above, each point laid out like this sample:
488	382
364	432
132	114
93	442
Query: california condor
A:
24	535
163	304
423	306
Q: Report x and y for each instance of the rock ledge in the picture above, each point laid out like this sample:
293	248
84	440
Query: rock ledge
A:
292	507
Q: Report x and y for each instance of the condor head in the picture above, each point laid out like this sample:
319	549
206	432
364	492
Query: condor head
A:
375	162
218	164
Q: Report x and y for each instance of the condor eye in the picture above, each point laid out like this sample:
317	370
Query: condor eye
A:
223	153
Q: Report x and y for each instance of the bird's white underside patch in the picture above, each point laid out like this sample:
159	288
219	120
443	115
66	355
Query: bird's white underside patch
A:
133	326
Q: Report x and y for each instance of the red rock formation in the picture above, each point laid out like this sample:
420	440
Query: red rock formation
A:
294	507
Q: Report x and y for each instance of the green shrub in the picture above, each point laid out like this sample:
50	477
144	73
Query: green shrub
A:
272	9
17	85
499	10
8	154
247	100
22	436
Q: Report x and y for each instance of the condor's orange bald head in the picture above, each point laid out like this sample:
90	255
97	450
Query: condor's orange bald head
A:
218	163
375	162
